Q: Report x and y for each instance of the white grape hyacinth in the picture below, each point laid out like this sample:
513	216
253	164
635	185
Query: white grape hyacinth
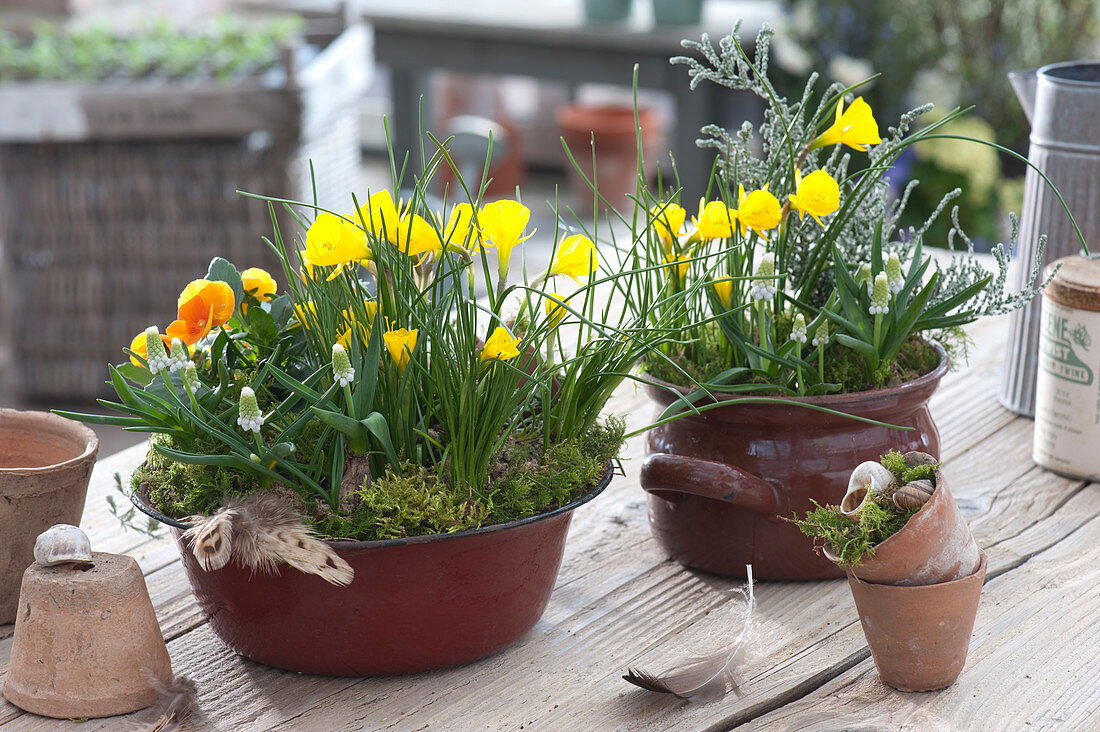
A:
250	419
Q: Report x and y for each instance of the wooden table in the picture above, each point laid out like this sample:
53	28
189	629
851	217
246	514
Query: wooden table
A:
550	39
1034	659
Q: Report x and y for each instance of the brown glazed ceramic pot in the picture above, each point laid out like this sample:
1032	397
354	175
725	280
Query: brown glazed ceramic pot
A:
415	604
718	482
45	464
919	636
935	545
87	642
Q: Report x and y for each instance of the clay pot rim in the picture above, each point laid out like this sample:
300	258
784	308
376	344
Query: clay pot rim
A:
77	431
140	502
611	118
983	566
658	389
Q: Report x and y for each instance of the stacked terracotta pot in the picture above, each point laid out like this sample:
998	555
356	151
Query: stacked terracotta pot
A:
917	595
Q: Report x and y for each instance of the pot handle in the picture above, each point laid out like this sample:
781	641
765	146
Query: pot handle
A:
666	475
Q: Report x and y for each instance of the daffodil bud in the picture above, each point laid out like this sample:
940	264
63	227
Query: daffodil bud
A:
893	273
798	330
155	354
250	418
179	357
342	371
764	289
880	295
821	335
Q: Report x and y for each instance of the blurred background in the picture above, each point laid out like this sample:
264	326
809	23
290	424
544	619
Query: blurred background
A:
127	128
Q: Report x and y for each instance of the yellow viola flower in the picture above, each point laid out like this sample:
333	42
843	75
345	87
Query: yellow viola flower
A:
501	345
759	210
554	311
139	346
715	220
501	224
416	237
678	263
202	306
818	194
576	258
724	290
259	284
400	344
332	241
854	127
380	216
668	220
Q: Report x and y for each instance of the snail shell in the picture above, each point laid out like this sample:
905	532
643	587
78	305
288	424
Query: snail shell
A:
60	544
913	495
867	477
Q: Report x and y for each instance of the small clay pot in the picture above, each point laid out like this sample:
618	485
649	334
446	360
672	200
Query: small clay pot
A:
45	464
87	642
934	546
611	128
919	636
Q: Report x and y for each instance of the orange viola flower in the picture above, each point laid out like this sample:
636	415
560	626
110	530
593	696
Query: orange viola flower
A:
203	305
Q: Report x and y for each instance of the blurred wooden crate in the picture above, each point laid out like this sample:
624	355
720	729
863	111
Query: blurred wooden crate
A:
114	197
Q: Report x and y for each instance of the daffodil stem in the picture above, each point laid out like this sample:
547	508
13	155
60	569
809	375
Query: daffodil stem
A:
762	329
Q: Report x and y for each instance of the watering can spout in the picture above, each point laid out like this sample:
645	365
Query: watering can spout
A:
1024	83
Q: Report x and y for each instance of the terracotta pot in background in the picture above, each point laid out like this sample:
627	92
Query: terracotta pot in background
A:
613	129
935	545
87	642
415	604
718	482
919	636
45	463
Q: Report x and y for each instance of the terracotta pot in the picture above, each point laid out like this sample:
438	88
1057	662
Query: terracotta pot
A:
718	482
45	463
612	129
87	642
935	545
919	636
415	604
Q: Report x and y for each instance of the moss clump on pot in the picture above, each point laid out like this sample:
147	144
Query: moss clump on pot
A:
527	479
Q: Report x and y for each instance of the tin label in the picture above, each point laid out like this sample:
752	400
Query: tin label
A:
1067	394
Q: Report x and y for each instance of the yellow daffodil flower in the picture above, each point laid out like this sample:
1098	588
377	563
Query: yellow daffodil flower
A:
306	314
502	224
258	283
759	210
668	220
818	194
554	311
416	237
459	230
715	220
400	344
501	345
380	217
576	258
202	306
678	263
724	290
362	328
332	241
854	127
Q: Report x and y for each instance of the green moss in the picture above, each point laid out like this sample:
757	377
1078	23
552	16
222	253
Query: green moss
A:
894	461
180	490
853	540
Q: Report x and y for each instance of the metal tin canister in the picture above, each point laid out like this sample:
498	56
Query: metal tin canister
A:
1067	390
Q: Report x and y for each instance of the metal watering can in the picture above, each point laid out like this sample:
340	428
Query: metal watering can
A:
1062	103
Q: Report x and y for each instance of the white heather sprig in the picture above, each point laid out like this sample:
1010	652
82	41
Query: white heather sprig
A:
178	358
893	273
155	355
798	330
250	418
342	370
880	295
764	289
